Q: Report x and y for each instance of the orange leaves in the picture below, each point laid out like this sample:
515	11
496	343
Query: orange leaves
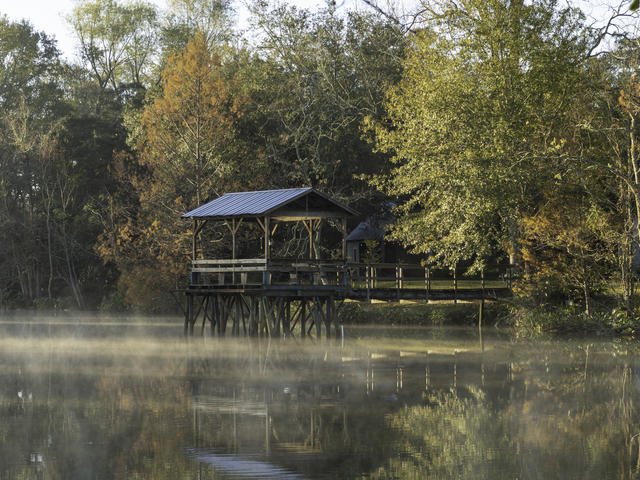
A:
630	99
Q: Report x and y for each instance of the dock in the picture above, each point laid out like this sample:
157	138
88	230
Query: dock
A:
298	296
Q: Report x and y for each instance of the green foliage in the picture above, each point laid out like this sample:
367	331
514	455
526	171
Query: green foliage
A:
529	322
414	314
372	252
318	77
472	124
450	437
116	40
493	127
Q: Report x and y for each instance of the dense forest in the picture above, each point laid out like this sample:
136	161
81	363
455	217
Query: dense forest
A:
497	128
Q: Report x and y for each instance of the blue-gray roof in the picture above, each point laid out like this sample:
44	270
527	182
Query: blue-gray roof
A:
256	203
373	228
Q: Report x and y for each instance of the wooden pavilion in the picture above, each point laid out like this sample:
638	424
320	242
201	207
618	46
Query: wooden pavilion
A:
257	294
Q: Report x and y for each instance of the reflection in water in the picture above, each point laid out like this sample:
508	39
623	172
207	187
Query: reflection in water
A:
241	467
129	398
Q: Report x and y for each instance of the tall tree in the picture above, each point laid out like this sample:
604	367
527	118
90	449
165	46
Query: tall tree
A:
477	121
189	152
321	75
117	41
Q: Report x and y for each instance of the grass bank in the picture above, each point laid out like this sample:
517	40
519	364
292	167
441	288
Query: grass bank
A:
418	313
525	320
528	321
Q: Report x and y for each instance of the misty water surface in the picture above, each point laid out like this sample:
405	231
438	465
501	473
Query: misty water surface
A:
92	397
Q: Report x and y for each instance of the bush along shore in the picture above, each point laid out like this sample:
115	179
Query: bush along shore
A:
523	319
426	314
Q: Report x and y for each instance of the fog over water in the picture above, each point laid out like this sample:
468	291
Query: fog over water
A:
90	396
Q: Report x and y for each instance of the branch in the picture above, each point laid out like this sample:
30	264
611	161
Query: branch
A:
406	27
604	32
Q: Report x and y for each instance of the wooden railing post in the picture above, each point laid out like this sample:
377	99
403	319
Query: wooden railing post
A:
455	285
481	312
367	271
427	283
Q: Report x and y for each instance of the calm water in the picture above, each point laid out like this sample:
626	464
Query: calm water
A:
102	398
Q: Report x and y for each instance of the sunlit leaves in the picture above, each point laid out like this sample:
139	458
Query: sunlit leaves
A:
471	124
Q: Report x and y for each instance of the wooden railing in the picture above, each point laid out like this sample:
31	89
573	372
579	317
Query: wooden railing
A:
369	276
260	271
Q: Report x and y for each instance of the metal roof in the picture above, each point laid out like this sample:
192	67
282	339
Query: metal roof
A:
256	203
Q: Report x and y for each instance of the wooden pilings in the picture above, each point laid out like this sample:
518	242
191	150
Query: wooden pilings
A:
244	314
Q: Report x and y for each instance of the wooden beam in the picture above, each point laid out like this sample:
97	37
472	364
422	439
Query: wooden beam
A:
294	215
343	225
309	227
239	262
193	240
233	242
267	238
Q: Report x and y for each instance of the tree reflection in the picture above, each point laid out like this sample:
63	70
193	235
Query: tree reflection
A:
574	422
529	411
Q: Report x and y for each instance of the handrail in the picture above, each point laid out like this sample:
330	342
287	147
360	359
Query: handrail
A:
396	276
236	261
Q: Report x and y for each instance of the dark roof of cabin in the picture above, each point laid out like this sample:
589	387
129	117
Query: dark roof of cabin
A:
265	202
372	228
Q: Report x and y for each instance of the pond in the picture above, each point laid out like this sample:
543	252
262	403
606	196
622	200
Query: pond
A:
94	397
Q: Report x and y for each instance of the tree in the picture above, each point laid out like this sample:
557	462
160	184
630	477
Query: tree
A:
476	122
117	41
189	129
211	18
29	105
321	75
189	153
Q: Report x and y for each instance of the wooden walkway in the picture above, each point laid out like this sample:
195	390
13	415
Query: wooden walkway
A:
259	297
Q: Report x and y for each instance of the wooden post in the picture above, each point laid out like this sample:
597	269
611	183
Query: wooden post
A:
286	327
213	311
344	238
222	322
397	282
331	316
310	230
368	279
267	238
252	316
303	318
481	312
455	285
236	315
427	283
317	310
187	313
278	317
260	316
193	240
266	279
233	239
192	320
